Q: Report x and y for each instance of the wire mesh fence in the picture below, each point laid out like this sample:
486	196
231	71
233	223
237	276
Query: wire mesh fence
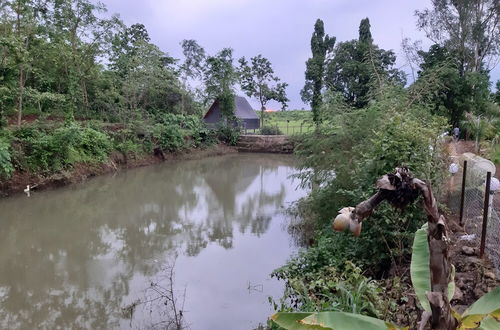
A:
475	208
284	129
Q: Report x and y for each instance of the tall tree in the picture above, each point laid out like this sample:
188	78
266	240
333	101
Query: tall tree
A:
321	46
81	38
357	66
457	92
125	45
258	80
194	59
470	28
24	16
219	78
191	70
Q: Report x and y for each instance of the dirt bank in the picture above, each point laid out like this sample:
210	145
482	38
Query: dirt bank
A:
117	161
280	144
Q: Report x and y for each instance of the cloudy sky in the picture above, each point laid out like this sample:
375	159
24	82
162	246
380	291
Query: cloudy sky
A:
278	29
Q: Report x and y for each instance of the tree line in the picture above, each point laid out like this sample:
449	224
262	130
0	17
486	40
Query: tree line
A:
466	38
67	57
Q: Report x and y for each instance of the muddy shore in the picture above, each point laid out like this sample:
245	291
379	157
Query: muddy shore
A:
116	162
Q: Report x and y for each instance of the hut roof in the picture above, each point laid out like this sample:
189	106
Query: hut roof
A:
242	110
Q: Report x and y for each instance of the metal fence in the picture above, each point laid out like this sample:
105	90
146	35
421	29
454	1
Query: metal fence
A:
285	129
478	206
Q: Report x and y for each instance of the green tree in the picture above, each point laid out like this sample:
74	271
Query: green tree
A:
125	44
258	80
194	59
497	93
219	78
191	70
469	28
457	93
81	37
357	66
22	18
321	46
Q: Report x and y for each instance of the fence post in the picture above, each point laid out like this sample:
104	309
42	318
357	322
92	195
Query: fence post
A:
485	213
462	196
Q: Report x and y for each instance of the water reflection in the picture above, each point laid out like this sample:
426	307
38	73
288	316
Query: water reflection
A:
70	258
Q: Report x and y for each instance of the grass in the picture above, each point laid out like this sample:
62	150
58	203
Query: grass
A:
290	122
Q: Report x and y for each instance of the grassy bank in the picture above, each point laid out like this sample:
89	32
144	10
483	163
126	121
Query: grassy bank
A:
52	153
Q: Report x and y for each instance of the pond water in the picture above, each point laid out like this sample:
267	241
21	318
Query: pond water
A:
97	255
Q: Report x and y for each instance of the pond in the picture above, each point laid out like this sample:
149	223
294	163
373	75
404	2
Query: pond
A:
99	255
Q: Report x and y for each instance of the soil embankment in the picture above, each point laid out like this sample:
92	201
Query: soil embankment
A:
266	143
117	161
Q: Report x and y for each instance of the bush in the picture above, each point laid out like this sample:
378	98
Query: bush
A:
47	150
270	130
168	137
6	167
229	135
73	144
328	289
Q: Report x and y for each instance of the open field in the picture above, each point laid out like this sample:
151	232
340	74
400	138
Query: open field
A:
289	122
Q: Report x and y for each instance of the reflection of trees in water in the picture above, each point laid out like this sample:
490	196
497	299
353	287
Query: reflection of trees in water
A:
67	257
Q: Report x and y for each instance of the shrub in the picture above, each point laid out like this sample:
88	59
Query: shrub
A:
328	289
64	146
168	137
270	130
73	144
6	167
228	134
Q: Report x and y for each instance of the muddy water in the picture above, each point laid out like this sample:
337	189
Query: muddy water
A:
87	256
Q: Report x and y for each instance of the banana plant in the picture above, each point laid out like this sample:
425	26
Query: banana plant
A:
432	273
484	314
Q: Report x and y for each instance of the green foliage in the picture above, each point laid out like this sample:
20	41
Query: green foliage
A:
227	106
321	46
297	121
329	320
52	55
258	80
168	137
486	308
327	288
495	154
342	159
219	78
270	130
6	167
357	64
51	150
483	314
467	28
457	92
228	134
420	269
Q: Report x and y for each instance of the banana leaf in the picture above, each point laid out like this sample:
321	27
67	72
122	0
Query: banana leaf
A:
420	269
484	313
330	320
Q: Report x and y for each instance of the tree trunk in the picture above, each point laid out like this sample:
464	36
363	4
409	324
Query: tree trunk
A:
20	97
